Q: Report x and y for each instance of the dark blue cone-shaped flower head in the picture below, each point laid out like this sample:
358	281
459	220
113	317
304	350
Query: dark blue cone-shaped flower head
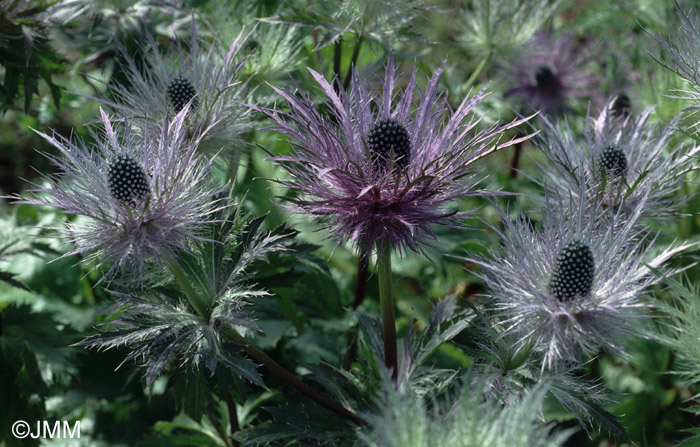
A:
127	180
181	91
613	162
573	271
386	139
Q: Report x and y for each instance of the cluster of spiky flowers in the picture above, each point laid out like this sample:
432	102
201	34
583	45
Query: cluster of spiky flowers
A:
575	285
623	161
159	84
379	172
549	74
141	196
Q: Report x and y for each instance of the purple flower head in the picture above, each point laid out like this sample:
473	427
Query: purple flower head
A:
382	168
549	74
575	284
199	74
139	197
622	161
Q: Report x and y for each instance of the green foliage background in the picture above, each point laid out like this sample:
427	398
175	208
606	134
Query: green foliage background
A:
47	303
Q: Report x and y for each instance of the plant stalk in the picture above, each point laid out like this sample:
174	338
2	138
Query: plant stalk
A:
337	58
195	299
290	378
361	280
353	62
386	302
477	71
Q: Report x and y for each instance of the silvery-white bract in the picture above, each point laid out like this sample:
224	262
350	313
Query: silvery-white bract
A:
139	196
622	161
546	291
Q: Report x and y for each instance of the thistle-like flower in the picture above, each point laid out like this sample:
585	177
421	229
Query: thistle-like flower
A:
574	285
140	197
201	75
549	74
622	161
380	171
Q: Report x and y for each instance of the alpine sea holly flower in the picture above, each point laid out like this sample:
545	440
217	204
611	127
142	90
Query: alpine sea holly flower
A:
574	285
623	160
381	170
549	74
142	196
203	75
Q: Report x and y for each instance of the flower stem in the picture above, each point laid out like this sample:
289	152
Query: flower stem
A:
361	280
477	71
386	302
195	299
337	57
515	161
353	62
288	377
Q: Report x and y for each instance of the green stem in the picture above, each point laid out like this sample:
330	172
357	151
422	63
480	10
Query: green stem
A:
386	302
288	377
195	299
477	71
361	280
337	57
353	61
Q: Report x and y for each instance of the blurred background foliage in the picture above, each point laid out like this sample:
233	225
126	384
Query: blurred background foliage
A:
55	54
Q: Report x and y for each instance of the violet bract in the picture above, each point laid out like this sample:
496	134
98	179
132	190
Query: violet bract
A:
383	187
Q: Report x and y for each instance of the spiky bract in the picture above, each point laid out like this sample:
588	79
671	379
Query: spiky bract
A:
158	325
524	279
335	179
684	51
473	419
483	24
203	75
622	161
127	226
549	73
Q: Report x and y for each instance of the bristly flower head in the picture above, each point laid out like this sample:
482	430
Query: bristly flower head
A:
622	161
202	76
574	285
381	170
143	195
549	73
